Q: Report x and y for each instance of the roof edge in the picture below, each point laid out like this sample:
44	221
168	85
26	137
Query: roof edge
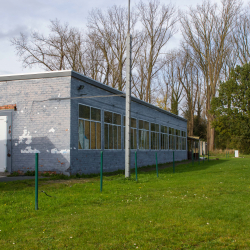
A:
37	75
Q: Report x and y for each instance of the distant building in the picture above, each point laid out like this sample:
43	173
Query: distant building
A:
69	119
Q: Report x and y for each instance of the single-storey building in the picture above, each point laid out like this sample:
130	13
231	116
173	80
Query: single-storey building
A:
69	119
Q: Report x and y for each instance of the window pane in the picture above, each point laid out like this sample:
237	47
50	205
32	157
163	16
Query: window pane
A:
106	135
81	134
140	124
147	140
117	119
119	138
93	135
84	112
98	135
152	139
152	127
131	138
170	130
146	125
162	129
165	129
135	138
95	114
111	137
177	143
87	135
107	117
115	137
157	127
133	122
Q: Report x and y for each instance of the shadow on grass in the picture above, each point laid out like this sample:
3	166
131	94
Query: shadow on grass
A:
180	167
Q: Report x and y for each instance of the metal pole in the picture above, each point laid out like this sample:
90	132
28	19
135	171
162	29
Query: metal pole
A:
101	170
36	181
156	164
136	166
173	163
128	99
208	155
199	153
192	157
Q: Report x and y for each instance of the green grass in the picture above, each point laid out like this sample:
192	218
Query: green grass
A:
204	206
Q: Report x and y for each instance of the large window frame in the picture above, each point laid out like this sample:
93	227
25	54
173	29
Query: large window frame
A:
164	137
155	136
172	138
184	140
89	127
112	130
143	135
133	132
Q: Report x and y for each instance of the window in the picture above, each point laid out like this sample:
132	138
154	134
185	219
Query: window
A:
155	136
112	130
164	137
143	134
89	127
178	139
184	140
133	133
172	138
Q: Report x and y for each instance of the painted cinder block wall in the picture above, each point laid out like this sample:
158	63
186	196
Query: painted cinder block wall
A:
50	127
37	126
88	161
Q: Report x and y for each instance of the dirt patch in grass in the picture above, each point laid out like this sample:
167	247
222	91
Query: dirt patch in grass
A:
67	182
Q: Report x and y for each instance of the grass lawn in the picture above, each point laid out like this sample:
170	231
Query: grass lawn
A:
204	206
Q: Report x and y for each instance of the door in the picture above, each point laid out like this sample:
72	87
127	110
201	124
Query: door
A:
3	143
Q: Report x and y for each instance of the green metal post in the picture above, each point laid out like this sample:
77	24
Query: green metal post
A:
36	181
136	166
199	154
208	155
192	157
173	163
156	164
101	170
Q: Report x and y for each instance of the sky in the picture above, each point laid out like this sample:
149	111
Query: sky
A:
28	15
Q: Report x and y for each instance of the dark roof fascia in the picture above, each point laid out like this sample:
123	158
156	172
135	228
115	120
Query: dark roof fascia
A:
115	91
65	73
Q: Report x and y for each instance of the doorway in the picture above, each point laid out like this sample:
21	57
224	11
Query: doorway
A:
3	143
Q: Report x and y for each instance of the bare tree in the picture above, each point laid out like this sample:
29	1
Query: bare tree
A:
241	37
207	29
189	77
159	26
109	30
62	49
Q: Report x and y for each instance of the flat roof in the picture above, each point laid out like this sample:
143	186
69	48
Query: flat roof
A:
66	73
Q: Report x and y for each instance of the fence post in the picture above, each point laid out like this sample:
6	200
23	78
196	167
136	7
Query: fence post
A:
156	164
36	181
136	166
199	154
173	163
101	170
192	157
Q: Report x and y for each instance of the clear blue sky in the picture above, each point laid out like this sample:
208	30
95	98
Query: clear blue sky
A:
25	15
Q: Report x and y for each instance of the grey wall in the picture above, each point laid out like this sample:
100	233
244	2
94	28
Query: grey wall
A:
39	126
88	161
